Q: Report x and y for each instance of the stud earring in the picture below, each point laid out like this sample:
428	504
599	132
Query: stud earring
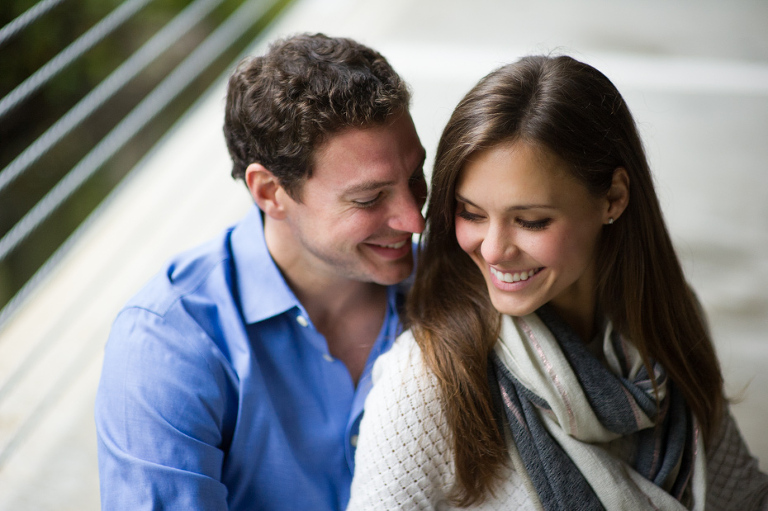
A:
610	221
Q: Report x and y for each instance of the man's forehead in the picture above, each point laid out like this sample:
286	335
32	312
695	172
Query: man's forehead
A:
351	136
361	159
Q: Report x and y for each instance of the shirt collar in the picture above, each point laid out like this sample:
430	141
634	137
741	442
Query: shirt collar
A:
262	288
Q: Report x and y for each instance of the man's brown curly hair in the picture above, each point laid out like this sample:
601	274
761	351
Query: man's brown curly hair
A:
281	106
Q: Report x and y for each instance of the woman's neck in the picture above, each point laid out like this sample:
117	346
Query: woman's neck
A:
580	317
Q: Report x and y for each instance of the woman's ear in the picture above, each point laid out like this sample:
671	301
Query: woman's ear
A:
617	196
266	191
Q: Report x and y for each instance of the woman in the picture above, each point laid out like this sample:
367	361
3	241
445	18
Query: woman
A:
556	357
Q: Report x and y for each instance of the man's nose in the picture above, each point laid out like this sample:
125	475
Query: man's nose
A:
407	215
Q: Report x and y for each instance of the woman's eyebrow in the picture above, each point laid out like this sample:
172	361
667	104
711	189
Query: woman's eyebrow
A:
517	207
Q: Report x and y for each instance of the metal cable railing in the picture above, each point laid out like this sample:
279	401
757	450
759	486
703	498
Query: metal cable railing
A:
142	58
69	54
219	41
27	18
193	65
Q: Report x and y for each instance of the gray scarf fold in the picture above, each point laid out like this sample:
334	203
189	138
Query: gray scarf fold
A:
663	453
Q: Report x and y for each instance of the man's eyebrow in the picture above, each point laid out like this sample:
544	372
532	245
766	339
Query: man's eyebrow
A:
367	186
519	207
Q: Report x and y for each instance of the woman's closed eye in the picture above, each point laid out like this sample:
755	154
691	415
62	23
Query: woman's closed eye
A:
470	217
533	225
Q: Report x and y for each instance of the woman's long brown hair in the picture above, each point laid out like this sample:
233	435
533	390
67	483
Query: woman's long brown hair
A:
574	111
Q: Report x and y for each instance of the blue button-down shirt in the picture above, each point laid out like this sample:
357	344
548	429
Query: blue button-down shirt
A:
217	392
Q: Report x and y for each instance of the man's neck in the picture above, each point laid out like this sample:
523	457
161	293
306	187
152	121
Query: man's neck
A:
349	313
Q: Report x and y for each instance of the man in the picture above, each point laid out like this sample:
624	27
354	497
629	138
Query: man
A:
236	378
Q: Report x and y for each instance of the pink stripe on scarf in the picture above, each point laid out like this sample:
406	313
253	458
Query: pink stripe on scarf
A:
537	346
513	409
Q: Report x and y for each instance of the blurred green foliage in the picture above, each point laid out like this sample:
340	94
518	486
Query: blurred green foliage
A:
29	50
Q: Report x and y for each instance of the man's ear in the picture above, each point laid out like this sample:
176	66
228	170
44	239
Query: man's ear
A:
618	195
266	190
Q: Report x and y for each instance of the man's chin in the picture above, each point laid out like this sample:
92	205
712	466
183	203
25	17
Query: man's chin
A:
393	277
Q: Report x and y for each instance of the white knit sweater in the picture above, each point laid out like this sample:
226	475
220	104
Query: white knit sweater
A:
404	459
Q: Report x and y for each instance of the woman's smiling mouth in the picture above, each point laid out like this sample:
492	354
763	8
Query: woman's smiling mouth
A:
514	277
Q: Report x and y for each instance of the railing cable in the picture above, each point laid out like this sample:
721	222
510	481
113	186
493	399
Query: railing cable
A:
221	39
27	17
82	44
144	56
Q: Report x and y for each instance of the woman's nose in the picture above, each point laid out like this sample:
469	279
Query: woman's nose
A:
498	245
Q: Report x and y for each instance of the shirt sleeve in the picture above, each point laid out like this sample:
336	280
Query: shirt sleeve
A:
160	411
403	459
734	480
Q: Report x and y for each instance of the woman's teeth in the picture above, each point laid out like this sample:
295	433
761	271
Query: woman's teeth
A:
513	277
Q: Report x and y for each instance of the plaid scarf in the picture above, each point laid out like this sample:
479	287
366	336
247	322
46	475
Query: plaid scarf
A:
564	407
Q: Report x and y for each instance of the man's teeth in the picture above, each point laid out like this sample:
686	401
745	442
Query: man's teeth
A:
395	245
513	277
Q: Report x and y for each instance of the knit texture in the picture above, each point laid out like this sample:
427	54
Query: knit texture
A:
404	460
734	481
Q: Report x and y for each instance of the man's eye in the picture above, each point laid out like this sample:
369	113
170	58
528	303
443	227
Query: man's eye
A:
367	202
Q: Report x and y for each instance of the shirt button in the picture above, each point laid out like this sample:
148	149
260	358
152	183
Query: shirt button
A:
353	440
327	357
302	320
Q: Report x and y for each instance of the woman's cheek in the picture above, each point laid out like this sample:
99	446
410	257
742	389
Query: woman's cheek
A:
560	247
465	236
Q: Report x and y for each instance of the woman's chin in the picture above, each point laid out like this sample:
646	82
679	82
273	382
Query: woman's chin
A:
514	309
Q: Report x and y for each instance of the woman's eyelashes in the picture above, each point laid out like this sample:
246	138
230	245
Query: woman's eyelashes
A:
535	225
532	225
470	217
